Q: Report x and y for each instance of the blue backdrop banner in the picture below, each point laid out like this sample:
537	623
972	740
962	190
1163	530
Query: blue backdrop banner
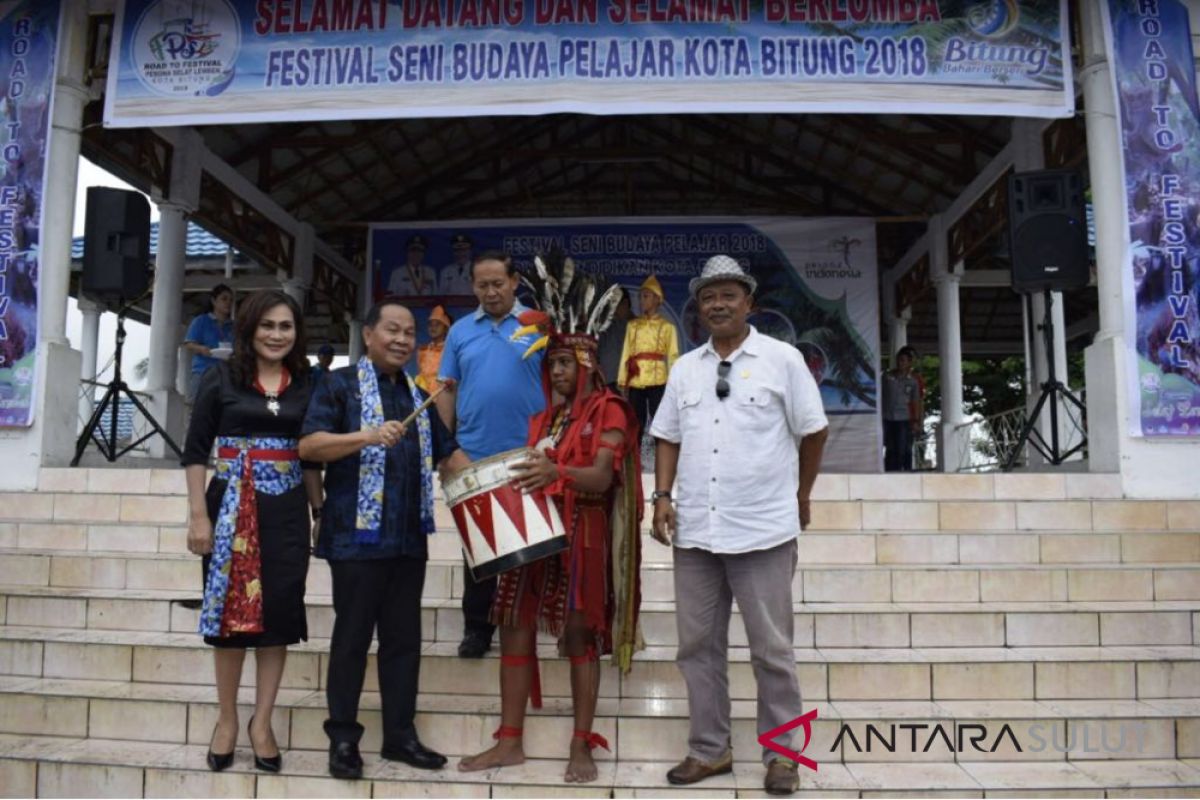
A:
183	62
818	288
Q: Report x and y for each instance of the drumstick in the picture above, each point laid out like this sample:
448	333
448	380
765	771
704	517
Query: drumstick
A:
428	402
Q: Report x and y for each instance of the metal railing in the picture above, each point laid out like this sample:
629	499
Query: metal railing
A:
986	443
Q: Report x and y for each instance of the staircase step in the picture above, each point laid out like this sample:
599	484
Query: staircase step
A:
877	583
1018	673
64	766
637	729
825	625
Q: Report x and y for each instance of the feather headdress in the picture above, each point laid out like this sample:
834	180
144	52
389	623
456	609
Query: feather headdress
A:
571	304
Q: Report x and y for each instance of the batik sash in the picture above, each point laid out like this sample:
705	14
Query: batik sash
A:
233	590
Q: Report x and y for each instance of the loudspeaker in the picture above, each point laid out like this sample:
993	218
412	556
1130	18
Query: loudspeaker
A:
1048	231
116	247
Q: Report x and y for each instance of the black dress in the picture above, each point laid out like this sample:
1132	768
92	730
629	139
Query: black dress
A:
223	408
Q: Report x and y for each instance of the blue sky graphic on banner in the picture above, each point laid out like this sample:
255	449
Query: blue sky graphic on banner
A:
203	61
1155	77
28	29
817	278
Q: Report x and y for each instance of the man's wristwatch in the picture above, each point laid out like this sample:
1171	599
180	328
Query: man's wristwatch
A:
656	496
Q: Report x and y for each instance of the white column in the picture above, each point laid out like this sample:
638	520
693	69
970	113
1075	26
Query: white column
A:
166	312
89	345
950	371
1105	358
167	306
1104	169
62	172
946	280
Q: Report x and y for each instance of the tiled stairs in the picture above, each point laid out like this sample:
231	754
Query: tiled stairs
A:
1044	602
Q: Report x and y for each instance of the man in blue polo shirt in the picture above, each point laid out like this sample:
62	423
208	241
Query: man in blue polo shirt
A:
495	393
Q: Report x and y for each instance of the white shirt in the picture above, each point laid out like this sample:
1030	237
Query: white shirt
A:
739	460
407	281
456	279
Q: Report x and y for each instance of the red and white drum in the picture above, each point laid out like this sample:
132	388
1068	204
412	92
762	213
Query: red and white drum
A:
501	528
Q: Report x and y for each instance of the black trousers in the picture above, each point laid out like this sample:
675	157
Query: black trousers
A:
383	594
897	445
477	604
645	404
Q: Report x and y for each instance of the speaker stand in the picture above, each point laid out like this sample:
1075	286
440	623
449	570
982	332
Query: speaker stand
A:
106	441
1053	391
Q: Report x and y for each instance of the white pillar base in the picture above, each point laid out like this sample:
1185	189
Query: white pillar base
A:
50	441
169	410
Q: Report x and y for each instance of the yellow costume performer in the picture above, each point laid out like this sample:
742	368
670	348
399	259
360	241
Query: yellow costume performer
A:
651	349
429	356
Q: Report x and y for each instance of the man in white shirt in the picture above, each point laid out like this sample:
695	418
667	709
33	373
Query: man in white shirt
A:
413	277
740	433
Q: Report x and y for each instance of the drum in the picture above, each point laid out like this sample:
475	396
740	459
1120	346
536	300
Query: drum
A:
501	528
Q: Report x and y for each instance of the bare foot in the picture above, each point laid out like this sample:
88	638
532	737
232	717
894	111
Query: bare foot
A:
505	753
580	768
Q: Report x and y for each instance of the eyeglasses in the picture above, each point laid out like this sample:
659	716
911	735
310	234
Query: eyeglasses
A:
722	384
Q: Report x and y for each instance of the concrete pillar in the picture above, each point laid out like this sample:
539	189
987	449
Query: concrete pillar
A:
951	440
166	314
295	290
89	347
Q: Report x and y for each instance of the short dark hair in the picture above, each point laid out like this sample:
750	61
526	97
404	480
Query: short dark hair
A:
504	258
907	350
376	311
218	290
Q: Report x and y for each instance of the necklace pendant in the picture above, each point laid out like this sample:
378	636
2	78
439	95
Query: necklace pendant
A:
273	406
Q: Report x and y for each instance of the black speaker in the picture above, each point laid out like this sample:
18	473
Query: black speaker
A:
116	247
1048	231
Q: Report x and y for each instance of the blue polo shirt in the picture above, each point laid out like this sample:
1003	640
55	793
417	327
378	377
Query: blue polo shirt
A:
205	330
498	390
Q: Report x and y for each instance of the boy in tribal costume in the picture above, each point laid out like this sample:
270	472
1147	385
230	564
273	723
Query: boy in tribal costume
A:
585	456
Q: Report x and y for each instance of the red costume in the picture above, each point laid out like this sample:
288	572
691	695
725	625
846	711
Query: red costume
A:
598	575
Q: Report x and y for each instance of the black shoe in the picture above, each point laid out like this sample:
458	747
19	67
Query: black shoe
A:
218	761
345	761
265	763
415	754
474	645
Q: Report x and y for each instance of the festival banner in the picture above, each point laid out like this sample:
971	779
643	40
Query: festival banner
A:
28	32
818	288
1155	76
197	62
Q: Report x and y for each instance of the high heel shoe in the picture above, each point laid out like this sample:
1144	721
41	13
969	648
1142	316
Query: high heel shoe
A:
218	761
265	763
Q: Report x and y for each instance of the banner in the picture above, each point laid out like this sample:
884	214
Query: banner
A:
1155	76
818	289
28	31
197	62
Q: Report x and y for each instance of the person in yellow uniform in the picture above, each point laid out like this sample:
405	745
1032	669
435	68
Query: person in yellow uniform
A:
429	356
651	348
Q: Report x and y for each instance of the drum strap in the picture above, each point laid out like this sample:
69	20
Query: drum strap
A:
535	693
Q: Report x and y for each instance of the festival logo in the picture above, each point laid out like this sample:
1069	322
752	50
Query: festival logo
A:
187	48
995	18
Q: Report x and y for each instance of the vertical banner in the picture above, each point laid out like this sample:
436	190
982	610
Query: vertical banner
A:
1155	76
28	30
817	278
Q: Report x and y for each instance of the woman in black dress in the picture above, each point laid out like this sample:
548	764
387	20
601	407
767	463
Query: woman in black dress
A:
253	523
